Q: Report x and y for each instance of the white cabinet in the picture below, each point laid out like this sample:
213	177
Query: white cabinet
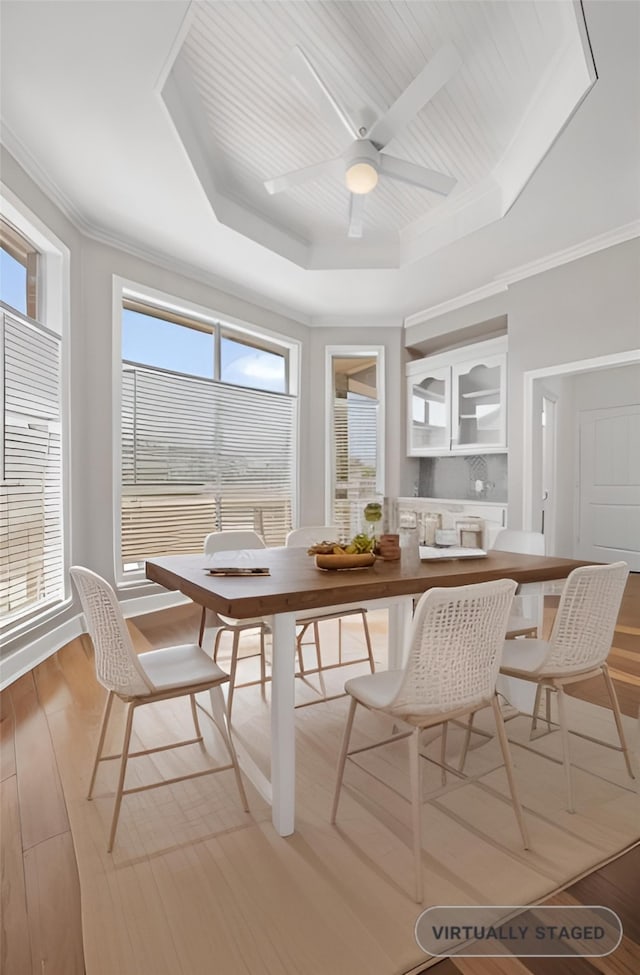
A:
457	401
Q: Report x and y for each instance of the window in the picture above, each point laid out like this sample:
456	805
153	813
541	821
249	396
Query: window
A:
18	270
356	435
32	562
208	433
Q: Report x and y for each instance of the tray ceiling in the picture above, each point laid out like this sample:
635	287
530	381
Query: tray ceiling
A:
525	67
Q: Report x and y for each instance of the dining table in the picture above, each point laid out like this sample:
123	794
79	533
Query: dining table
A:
294	586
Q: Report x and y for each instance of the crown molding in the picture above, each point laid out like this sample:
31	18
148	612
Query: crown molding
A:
132	248
591	246
42	179
501	282
452	304
355	321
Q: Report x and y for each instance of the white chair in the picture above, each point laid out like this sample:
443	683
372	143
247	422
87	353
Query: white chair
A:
455	642
528	606
231	541
304	538
143	679
578	647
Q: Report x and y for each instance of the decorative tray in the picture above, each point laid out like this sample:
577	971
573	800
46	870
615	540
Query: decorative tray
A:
429	553
358	561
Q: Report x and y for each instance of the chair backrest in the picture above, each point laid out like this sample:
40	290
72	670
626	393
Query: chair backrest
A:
526	543
455	645
117	666
232	541
586	618
305	537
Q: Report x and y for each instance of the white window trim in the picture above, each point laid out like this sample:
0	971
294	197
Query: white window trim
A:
54	290
355	351
124	287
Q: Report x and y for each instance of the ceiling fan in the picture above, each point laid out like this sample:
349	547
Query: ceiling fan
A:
364	160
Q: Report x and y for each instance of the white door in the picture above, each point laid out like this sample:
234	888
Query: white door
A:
609	485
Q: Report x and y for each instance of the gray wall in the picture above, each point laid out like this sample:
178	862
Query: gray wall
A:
578	311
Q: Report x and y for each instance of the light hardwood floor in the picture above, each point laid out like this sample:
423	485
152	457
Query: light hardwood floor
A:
40	898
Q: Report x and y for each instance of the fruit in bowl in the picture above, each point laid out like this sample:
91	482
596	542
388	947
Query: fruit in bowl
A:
355	554
359	545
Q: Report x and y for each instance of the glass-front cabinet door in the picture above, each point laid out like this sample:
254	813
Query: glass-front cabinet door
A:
479	403
430	412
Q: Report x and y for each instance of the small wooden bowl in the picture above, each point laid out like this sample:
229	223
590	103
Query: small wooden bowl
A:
361	561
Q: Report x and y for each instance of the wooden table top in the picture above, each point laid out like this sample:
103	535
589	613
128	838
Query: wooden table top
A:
296	585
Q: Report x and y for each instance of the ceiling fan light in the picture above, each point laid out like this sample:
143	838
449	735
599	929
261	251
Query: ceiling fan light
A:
361	177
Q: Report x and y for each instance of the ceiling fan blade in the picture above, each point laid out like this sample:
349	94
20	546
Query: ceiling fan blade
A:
406	172
424	86
356	214
299	176
301	68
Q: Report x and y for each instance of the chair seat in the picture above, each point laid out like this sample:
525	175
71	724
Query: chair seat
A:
375	690
518	624
252	622
525	656
180	666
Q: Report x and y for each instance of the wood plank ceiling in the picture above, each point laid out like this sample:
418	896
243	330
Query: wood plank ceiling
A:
261	124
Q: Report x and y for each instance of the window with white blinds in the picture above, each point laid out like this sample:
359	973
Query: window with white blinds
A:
31	541
356	421
200	455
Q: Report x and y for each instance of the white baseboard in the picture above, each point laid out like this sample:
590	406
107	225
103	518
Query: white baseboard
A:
151	604
26	658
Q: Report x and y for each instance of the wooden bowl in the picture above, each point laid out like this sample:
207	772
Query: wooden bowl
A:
361	561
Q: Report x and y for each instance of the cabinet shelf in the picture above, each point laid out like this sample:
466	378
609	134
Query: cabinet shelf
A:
457	401
476	394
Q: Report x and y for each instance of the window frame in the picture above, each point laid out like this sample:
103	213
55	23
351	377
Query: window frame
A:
356	352
149	300
52	300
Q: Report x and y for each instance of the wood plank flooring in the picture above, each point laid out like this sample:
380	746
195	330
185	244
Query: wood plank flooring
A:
40	927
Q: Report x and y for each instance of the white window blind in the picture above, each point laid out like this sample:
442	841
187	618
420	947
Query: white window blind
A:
355	437
199	456
31	543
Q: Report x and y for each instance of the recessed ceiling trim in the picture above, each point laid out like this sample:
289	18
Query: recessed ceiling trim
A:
453	304
242	128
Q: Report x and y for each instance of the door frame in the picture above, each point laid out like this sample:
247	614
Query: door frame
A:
528	439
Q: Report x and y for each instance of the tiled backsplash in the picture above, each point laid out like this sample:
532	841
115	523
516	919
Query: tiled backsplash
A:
481	477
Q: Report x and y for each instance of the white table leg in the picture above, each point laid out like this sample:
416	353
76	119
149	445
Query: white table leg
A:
400	614
283	731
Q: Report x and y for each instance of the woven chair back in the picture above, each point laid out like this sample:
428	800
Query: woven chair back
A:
455	644
232	541
586	618
305	537
117	666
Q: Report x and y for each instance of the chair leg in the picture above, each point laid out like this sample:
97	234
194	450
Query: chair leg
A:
466	743
232	672
194	715
443	752
123	769
203	621
416	810
216	645
316	639
299	650
221	720
615	707
103	731
263	661
506	755
548	709
367	636
536	709
343	757
566	758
